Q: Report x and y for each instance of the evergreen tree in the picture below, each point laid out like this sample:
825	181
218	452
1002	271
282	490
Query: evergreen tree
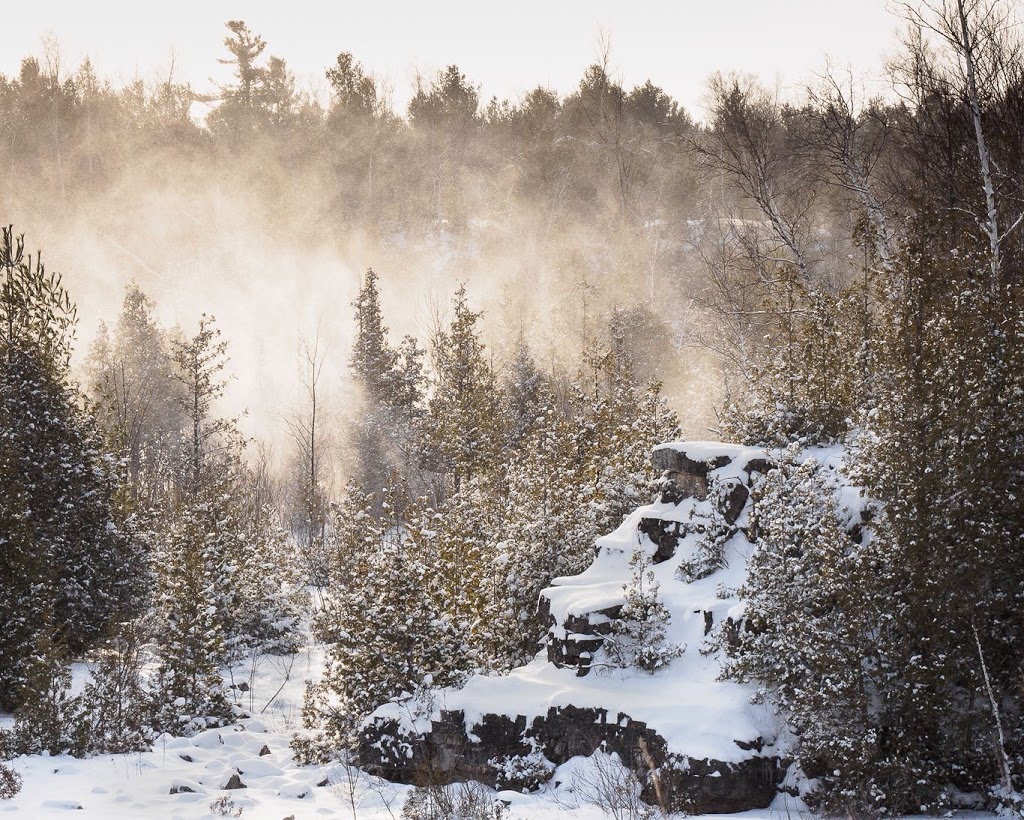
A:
136	399
63	551
545	533
462	436
262	96
936	452
384	636
522	392
637	638
115	700
372	361
617	423
270	599
49	718
187	689
225	587
808	635
465	573
392	382
199	367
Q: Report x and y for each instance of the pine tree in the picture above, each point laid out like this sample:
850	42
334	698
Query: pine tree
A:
271	597
373	360
199	365
465	574
222	592
262	96
617	424
522	393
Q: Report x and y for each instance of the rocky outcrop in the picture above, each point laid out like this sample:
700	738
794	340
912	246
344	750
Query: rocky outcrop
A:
720	475
704	757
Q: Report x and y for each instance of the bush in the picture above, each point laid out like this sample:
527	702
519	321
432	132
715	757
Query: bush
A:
524	773
10	782
459	801
612	787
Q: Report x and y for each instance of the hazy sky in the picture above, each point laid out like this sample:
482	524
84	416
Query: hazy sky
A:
508	48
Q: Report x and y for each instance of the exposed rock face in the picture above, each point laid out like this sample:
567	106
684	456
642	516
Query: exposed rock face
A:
704	496
683	476
448	754
581	636
713	787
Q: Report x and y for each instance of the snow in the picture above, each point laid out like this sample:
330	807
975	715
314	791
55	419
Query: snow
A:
738	454
126	787
698	714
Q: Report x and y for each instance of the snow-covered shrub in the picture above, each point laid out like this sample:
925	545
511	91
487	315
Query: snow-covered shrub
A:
609	785
458	801
10	782
637	637
709	556
116	703
314	746
1005	803
224	806
525	773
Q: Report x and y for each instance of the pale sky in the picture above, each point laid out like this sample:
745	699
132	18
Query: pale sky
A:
507	48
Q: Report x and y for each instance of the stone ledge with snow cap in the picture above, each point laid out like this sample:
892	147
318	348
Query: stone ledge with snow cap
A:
687	466
703	503
715	750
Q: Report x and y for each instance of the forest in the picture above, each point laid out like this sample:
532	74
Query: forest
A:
574	280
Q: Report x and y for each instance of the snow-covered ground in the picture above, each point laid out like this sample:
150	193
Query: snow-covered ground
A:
139	786
124	787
